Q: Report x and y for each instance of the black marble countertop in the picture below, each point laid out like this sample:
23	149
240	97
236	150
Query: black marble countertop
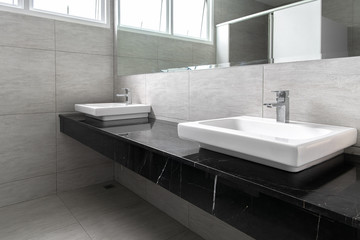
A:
331	189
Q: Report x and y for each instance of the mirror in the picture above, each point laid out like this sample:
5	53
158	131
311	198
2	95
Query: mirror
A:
266	31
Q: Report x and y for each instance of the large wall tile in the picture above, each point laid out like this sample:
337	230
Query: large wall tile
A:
83	177
203	54
20	30
339	11
27	80
226	92
136	84
355	43
137	45
24	190
167	64
72	37
167	202
228	9
324	91
249	40
211	228
72	155
131	180
168	94
131	65
355	13
175	50
83	78
27	146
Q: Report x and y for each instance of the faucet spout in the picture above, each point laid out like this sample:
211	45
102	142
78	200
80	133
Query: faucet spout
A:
127	95
272	105
282	106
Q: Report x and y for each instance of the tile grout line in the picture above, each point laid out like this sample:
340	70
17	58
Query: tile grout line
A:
52	50
263	91
176	234
147	197
17	114
56	121
83	167
146	97
87	166
23	179
189	98
72	214
28	48
115	63
28	200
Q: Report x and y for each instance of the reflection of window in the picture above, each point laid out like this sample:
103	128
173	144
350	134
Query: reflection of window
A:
185	18
89	9
191	18
14	3
145	14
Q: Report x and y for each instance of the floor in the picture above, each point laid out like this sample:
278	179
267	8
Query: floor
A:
90	213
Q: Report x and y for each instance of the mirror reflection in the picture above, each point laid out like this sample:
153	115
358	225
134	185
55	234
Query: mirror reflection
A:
173	35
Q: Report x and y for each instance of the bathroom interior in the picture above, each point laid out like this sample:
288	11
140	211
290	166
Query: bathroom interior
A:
179	119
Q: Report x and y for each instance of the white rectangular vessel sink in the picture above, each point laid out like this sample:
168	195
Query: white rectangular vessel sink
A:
292	146
113	111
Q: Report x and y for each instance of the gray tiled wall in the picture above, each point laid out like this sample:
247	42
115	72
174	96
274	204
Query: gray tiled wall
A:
46	66
168	94
322	91
225	92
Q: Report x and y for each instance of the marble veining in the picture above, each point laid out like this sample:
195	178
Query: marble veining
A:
321	202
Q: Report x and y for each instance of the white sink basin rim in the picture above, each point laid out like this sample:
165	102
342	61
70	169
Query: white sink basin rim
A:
292	146
113	111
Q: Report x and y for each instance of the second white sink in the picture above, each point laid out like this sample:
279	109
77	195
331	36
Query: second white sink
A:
290	146
113	111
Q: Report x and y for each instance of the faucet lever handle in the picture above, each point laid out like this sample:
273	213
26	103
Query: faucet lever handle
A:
127	90
282	93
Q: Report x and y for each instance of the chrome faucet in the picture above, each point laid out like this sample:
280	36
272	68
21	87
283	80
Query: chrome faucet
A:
127	95
282	106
